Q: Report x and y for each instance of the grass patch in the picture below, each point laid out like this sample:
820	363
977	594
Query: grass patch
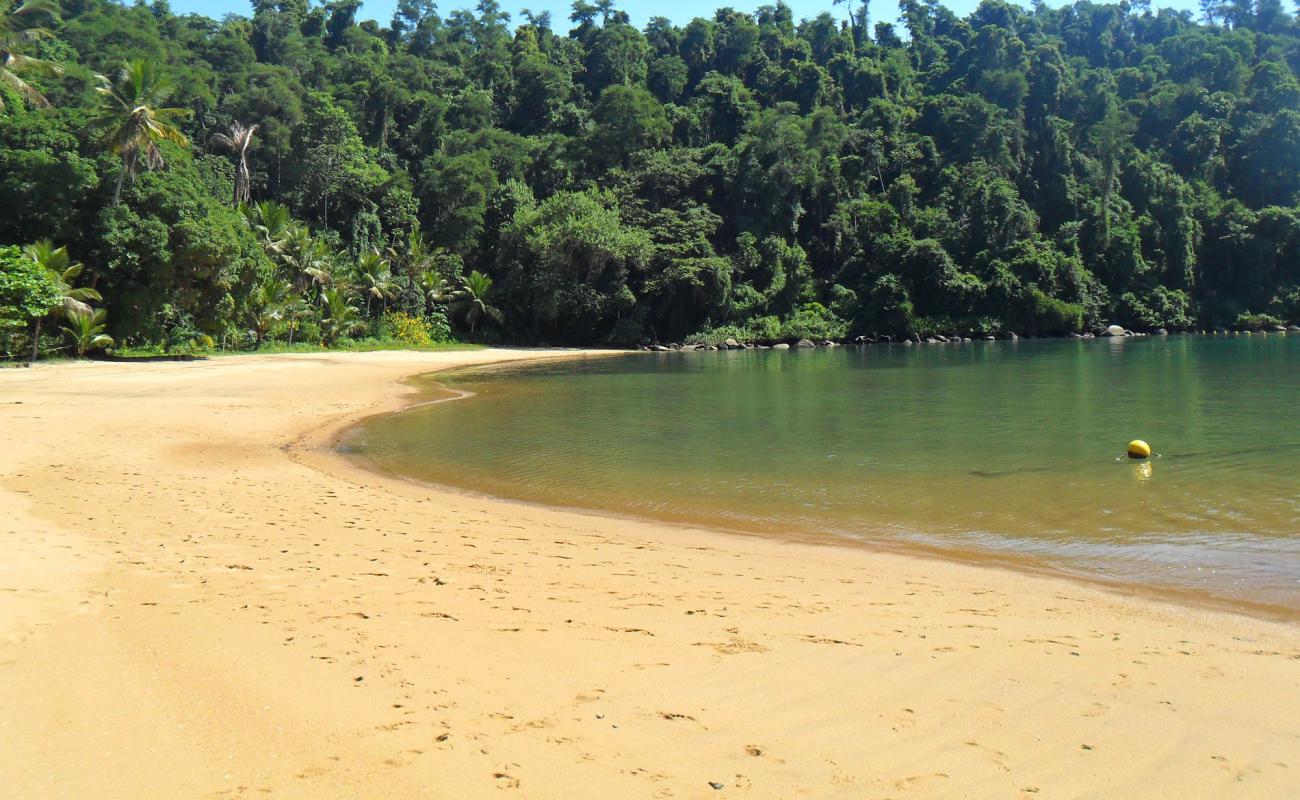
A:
270	348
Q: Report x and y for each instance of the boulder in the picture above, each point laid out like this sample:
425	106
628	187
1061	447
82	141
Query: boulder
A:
1277	327
1115	330
805	343
658	348
1162	332
1293	328
732	344
1012	335
781	346
990	338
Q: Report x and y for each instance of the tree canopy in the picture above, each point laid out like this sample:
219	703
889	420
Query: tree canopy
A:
1035	170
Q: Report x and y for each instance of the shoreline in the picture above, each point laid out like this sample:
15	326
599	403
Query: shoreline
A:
190	609
1025	564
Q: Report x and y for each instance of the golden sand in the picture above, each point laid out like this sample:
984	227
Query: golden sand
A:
199	599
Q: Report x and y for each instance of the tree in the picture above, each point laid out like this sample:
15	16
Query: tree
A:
565	264
271	222
1112	136
306	259
28	294
266	306
238	142
374	280
134	121
339	319
859	20
61	272
627	119
1003	167
466	301
86	329
21	25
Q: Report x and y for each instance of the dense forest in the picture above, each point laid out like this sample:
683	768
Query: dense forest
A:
182	182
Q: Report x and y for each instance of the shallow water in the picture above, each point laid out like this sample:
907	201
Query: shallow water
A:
1006	449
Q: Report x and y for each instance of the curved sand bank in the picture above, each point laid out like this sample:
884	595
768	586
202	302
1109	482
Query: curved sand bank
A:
198	599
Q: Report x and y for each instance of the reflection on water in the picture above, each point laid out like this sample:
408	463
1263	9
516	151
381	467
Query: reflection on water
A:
1007	448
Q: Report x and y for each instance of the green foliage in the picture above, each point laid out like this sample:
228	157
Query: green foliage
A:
1048	315
740	174
86	330
28	291
566	263
1254	322
813	321
23	22
339	319
415	331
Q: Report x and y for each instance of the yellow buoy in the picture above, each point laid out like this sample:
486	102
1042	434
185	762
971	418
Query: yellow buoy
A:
1139	449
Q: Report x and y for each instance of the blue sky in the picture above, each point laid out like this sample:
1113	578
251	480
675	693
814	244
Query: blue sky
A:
679	11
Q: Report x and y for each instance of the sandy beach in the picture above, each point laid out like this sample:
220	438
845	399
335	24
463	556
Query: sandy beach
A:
199	598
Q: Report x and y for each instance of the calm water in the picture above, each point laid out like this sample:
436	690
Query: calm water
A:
1007	449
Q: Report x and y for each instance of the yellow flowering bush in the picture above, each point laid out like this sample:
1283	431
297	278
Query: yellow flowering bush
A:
407	329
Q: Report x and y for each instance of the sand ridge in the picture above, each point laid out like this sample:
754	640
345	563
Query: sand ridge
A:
199	599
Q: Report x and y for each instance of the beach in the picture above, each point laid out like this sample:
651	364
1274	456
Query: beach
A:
201	598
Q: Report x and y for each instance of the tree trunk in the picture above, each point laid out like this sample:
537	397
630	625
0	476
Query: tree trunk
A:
36	340
117	190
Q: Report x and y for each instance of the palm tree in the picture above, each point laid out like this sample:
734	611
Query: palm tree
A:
238	142
133	119
373	279
270	223
266	306
305	258
467	300
86	330
19	26
432	284
62	271
294	311
414	259
340	318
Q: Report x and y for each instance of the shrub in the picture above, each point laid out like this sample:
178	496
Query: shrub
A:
814	321
1158	308
1253	322
1044	314
407	329
762	329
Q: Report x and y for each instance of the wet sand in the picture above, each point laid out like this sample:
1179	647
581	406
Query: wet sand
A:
199	598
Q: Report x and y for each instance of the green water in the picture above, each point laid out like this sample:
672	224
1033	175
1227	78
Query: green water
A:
1005	449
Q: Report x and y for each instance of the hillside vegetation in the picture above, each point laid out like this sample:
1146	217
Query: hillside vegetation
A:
302	176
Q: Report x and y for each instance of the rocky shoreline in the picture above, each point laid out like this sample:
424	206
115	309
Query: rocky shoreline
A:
1111	331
